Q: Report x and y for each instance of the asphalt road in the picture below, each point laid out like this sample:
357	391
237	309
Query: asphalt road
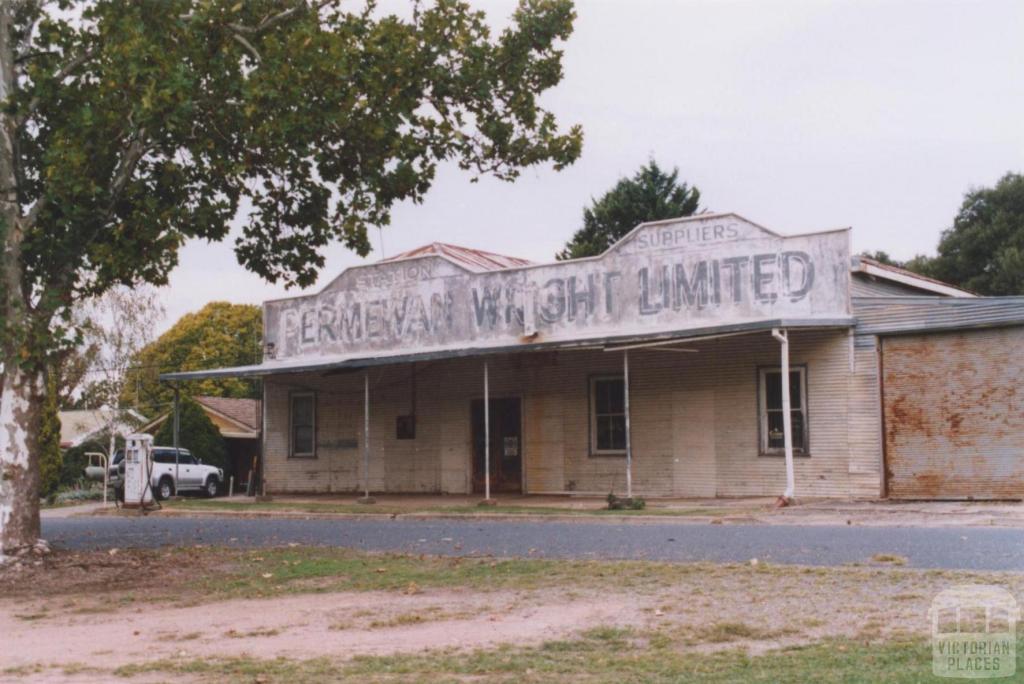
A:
947	548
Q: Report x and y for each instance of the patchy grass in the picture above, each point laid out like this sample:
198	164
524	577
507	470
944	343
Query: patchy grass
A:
889	558
235	634
326	508
601	655
723	632
303	569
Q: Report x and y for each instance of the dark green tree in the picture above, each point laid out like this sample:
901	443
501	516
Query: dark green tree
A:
197	433
218	335
50	456
127	128
650	195
983	251
881	257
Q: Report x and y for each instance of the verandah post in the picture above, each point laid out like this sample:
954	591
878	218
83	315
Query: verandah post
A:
487	434
629	445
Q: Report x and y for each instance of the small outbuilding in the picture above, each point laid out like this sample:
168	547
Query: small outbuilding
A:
705	356
238	421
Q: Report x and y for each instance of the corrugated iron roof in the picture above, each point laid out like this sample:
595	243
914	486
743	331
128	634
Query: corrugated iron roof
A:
476	260
882	315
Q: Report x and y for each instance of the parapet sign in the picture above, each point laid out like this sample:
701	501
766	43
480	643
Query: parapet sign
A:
665	277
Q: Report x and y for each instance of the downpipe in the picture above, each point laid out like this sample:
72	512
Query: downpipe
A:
782	336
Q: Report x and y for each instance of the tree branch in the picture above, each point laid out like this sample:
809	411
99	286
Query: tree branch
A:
61	74
247	45
279	17
125	168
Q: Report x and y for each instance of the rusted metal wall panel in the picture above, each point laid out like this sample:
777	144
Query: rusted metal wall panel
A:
662	278
954	414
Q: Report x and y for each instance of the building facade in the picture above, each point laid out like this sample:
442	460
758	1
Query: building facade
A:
655	368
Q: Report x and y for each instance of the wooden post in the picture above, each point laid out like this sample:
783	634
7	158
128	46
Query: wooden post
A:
487	434
629	445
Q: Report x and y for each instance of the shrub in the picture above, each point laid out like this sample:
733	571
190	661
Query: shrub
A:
616	503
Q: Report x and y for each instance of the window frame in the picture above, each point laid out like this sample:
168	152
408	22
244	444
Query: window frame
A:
292	396
801	449
592	381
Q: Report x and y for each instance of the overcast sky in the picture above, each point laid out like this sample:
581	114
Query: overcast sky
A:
800	116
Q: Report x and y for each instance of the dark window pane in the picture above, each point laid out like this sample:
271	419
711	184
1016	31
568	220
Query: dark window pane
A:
618	433
302	410
617	398
609	396
600	397
604	433
794	390
303	441
773	390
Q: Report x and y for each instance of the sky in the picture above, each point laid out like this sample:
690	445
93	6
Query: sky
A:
800	116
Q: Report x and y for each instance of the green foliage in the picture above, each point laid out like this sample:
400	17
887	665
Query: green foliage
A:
142	125
197	433
50	457
75	460
881	257
650	195
218	335
623	503
983	251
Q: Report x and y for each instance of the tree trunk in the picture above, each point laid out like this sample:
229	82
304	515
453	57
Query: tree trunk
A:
21	410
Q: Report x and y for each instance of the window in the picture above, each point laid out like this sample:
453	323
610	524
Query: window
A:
770	400
607	416
166	456
405	427
303	425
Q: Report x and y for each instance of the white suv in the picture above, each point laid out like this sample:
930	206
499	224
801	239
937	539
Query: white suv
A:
190	473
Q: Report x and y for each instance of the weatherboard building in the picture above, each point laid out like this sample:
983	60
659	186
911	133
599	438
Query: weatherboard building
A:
698	357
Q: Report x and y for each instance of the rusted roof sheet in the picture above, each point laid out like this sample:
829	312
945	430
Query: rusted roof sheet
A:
475	260
875	267
888	315
244	411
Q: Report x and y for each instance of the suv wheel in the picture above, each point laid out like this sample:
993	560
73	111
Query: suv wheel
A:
211	487
165	490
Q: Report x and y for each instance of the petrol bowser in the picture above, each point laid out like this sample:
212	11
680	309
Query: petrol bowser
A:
138	467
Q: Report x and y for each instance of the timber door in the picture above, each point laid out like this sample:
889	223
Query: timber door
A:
506	445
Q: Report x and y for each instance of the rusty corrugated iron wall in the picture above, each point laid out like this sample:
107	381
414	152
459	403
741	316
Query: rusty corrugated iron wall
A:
953	405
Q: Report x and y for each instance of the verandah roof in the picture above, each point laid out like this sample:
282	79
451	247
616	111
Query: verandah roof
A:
308	364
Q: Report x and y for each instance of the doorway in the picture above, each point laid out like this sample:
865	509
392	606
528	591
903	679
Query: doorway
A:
506	445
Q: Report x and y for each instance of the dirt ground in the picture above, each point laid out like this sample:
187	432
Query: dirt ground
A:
75	617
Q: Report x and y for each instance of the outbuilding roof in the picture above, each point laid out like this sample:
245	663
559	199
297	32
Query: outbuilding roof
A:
247	412
475	260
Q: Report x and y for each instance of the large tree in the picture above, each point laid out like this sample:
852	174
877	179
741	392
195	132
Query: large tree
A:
650	195
127	128
218	335
983	250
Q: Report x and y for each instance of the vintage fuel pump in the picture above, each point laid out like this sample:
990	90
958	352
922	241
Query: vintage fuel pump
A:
138	468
